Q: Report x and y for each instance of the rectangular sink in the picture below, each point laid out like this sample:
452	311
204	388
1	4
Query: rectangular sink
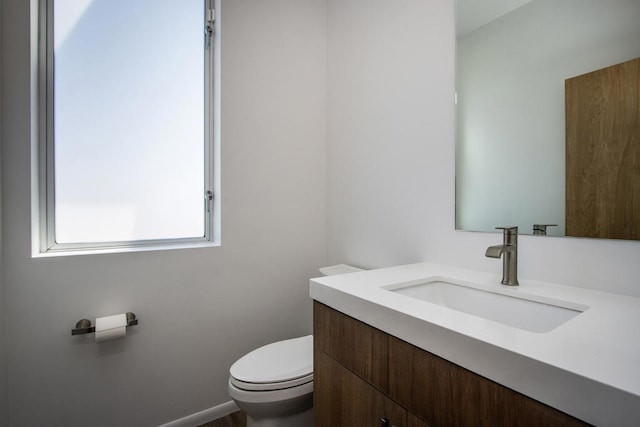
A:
525	312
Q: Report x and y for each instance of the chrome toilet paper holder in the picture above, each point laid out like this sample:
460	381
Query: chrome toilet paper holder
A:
84	326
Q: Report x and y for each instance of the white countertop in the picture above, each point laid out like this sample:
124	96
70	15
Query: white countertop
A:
588	367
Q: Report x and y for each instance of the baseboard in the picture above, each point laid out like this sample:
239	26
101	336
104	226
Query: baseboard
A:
205	416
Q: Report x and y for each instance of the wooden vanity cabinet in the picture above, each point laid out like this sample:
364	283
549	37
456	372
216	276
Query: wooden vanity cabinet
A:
341	398
363	376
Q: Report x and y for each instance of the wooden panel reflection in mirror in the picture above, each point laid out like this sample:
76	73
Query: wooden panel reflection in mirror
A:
603	153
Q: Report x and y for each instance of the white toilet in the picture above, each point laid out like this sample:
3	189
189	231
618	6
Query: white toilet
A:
273	384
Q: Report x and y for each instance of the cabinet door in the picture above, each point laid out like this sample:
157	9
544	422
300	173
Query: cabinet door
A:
413	421
445	394
341	398
603	153
422	385
358	346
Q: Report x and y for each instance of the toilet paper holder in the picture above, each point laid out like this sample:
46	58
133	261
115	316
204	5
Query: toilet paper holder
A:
84	326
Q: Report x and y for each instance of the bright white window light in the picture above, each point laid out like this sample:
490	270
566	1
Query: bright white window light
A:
129	120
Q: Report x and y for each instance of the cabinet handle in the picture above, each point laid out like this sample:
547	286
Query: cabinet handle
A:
384	422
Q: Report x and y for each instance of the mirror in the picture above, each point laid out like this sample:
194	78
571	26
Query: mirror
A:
513	58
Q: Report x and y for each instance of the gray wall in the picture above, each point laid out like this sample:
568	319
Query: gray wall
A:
199	309
3	368
391	155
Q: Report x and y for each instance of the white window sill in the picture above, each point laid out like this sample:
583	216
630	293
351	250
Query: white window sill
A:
54	252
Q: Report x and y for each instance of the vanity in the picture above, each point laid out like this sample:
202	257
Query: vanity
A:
403	346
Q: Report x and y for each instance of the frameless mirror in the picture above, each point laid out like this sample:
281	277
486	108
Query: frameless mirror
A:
514	58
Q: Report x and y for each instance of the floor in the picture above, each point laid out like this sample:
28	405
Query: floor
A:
237	419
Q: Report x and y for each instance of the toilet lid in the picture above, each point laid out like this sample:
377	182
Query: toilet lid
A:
279	362
280	385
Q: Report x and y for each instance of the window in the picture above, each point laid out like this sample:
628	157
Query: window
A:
127	151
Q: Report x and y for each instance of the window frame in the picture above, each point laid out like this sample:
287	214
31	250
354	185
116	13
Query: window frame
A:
44	230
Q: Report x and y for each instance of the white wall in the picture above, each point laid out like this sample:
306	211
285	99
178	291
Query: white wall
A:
511	132
199	309
391	160
390	171
389	127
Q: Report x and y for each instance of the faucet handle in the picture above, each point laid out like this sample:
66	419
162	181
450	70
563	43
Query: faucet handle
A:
509	235
541	229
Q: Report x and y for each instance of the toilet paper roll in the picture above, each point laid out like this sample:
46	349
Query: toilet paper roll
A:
111	327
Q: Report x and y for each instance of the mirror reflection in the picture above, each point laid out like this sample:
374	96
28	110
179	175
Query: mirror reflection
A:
515	160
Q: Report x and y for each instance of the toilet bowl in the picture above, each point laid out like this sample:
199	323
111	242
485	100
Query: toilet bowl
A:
273	384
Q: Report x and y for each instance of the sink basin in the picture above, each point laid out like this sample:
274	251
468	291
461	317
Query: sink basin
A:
523	311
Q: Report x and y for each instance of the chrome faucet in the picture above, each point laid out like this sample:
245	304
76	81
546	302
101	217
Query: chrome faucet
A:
509	248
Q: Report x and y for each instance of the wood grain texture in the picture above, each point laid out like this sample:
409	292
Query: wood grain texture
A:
413	421
603	153
342	399
445	394
434	391
359	347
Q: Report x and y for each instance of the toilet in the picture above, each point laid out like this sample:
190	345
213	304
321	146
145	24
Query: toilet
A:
273	384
